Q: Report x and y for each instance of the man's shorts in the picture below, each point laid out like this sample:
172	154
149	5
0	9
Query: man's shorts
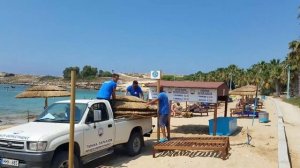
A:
163	120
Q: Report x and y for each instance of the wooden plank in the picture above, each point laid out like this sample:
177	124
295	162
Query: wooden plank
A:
215	120
157	123
214	148
226	105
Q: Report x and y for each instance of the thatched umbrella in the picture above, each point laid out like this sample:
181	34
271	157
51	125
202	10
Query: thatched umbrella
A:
44	91
248	90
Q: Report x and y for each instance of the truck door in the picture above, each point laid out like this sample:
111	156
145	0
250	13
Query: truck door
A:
98	133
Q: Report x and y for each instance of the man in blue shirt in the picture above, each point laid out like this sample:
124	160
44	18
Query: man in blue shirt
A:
135	90
108	88
164	112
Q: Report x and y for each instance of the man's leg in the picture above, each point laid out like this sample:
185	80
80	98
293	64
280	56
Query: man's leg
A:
163	130
163	124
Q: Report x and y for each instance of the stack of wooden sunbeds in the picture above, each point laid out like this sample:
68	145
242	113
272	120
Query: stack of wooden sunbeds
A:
132	107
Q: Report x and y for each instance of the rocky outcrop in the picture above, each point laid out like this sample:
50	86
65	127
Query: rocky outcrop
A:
4	74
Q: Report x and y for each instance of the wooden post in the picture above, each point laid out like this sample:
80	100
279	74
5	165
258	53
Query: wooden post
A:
186	106
169	121
255	104
46	103
215	119
158	128
72	118
226	105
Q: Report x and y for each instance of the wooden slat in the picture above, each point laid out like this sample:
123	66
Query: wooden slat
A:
195	143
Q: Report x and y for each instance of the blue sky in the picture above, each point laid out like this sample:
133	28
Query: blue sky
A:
176	36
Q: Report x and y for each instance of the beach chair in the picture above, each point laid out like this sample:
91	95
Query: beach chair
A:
211	143
260	105
236	111
195	108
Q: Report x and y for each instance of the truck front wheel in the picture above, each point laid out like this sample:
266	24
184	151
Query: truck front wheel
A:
134	144
61	160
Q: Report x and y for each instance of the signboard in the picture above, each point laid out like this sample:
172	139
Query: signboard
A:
155	74
187	94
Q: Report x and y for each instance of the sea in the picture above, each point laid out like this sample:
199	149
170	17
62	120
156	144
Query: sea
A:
12	108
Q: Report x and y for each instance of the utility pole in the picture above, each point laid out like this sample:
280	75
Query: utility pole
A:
288	83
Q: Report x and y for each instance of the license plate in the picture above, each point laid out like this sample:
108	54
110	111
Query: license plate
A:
9	162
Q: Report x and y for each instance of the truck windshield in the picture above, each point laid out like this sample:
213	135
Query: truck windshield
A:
60	112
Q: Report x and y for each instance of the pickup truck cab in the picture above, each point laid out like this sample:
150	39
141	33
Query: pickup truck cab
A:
45	141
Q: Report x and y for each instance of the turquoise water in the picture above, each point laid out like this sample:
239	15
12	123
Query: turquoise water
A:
11	106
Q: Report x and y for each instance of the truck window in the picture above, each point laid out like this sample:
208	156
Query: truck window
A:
102	108
60	112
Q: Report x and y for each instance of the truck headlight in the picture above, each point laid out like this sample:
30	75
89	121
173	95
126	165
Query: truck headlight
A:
37	145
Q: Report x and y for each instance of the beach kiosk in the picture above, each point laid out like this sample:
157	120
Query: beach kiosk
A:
190	91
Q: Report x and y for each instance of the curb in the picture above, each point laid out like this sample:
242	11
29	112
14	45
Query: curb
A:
283	155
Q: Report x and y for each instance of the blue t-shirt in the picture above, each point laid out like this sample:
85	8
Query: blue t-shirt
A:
134	92
106	90
163	103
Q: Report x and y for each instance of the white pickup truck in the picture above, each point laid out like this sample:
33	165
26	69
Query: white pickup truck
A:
44	142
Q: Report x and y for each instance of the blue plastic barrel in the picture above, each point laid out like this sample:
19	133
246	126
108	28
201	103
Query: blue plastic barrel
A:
225	126
263	117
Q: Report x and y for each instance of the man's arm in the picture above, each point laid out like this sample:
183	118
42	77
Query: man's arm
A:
114	94
152	102
127	91
142	94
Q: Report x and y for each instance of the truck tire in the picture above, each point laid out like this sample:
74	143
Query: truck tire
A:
134	144
61	160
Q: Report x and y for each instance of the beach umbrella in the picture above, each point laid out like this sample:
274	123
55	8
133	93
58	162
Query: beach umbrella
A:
248	90
44	91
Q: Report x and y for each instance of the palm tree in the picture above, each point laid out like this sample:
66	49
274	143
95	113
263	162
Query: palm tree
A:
275	69
293	60
232	73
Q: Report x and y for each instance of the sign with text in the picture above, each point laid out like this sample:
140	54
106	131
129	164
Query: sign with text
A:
187	94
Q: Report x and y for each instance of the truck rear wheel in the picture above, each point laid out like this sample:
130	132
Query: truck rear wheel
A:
61	160
134	144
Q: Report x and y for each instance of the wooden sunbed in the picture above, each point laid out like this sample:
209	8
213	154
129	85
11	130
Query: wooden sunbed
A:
235	111
220	144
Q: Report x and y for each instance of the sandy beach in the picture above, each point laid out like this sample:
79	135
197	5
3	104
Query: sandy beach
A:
262	151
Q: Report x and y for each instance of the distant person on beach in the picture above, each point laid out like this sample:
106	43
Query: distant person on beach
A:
163	112
108	88
135	90
176	109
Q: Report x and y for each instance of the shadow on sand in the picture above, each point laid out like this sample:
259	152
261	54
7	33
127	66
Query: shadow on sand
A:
119	158
192	154
190	129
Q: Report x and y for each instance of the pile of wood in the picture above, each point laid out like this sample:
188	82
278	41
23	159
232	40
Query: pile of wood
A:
187	114
132	107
